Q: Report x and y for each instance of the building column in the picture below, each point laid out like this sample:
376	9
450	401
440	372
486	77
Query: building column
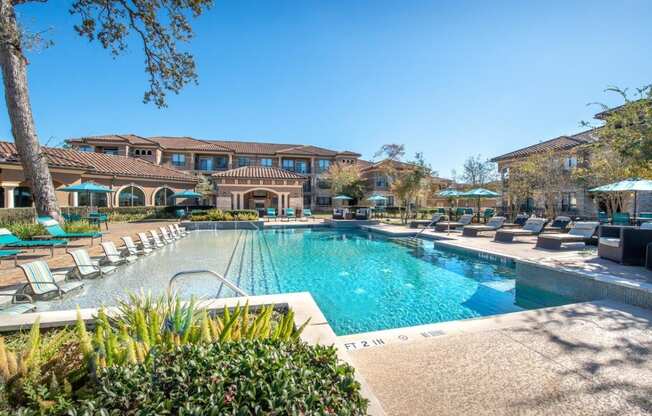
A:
75	199
9	196
280	203
230	166
242	200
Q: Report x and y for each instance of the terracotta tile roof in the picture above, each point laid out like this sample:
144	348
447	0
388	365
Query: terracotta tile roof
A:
242	147
188	143
258	172
557	144
100	163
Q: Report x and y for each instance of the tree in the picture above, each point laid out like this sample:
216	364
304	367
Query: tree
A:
541	174
346	179
478	172
627	130
408	180
159	25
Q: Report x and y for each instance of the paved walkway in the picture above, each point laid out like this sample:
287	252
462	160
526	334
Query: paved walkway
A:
582	359
10	276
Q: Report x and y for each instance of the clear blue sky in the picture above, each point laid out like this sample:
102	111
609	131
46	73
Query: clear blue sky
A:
449	79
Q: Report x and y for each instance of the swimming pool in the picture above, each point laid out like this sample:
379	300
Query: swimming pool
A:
361	281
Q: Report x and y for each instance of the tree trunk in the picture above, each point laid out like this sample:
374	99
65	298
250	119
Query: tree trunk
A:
14	75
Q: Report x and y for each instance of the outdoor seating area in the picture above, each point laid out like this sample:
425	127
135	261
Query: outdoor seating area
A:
42	283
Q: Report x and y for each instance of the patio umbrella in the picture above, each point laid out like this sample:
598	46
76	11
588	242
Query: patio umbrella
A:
480	193
628	185
451	194
343	198
186	194
90	187
376	198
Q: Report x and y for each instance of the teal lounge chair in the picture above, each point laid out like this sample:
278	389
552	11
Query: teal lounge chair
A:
307	213
99	218
620	218
71	217
289	214
271	213
17	307
8	240
54	229
10	253
488	214
603	218
41	281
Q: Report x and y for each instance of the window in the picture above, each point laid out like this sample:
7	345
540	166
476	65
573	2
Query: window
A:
131	197
570	163
23	197
85	148
221	162
266	162
390	201
162	196
380	181
323	165
86	199
243	161
136	152
178	159
301	166
307	186
568	201
110	151
322	184
288	164
205	163
324	201
149	153
306	201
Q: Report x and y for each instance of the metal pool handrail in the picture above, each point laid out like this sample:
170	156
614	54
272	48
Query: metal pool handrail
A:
219	277
424	229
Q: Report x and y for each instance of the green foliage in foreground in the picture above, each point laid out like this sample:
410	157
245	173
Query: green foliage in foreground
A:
25	230
241	361
219	215
232	378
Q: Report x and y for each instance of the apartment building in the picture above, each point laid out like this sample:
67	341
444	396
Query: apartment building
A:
245	174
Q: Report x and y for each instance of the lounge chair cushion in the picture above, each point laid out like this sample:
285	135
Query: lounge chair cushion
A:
609	241
18	309
585	229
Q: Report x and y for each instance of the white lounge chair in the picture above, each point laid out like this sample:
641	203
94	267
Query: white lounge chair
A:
157	241
114	257
166	235
41	282
17	307
445	225
146	243
580	232
133	250
86	268
173	232
182	230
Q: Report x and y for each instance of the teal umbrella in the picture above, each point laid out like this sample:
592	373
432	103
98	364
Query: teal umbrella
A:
343	198
480	193
90	187
450	193
628	185
185	194
376	198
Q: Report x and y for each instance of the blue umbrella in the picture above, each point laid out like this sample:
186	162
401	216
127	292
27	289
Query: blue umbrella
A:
185	194
480	193
377	198
343	198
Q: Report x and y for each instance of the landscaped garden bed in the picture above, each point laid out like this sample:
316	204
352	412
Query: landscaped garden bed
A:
161	356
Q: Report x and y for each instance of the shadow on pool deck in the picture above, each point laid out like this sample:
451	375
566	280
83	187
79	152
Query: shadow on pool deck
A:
583	359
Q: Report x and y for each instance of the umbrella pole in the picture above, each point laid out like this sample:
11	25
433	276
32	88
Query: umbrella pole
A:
635	216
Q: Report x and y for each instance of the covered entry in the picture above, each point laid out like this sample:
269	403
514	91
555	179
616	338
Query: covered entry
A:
259	188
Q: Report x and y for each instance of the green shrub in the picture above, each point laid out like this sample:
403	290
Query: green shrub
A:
81	226
219	215
25	230
244	378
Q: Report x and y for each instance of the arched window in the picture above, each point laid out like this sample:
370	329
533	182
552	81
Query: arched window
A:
131	196
162	196
98	199
23	197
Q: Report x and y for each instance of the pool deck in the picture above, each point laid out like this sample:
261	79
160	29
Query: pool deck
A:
580	359
574	258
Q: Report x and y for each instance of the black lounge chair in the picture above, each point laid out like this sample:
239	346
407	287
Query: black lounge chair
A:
580	232
433	220
445	225
533	226
559	224
492	225
625	245
521	219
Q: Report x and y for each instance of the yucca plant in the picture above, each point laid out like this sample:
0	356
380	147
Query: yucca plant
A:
145	324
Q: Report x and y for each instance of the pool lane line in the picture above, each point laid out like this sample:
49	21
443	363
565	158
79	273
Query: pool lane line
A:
262	263
271	262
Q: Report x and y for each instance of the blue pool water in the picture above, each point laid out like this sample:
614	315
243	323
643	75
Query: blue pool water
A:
361	281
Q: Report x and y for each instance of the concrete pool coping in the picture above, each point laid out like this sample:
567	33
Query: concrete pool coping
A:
318	330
